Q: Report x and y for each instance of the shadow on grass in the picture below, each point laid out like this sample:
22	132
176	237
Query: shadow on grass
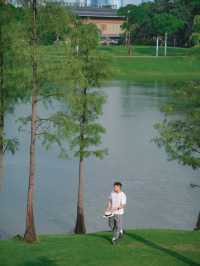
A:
42	261
104	236
160	248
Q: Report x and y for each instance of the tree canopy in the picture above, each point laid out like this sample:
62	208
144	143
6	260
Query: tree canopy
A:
179	132
176	17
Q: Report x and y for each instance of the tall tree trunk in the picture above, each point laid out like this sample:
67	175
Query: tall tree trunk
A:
130	51
1	148
166	43
80	220
80	227
198	223
174	42
30	232
1	105
157	45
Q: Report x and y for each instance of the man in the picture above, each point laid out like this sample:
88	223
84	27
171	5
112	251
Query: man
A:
116	205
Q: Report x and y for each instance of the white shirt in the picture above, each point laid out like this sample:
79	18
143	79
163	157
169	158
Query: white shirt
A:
118	199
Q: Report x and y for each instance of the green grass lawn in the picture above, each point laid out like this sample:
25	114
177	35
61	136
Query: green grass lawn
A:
145	50
119	50
150	247
182	64
163	69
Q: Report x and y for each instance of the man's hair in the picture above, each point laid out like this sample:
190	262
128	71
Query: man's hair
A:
118	184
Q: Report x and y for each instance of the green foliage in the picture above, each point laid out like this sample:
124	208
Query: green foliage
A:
54	23
180	133
85	109
196	38
196	31
12	67
196	24
64	79
12	44
155	17
86	101
84	38
52	72
162	23
138	20
10	145
82	99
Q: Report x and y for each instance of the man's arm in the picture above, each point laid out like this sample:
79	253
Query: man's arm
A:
123	202
109	205
122	206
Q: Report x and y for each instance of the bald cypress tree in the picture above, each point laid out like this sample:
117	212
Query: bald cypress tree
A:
90	103
78	122
44	70
30	232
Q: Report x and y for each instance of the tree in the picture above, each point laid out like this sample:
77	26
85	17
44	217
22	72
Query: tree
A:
185	10
129	29
165	24
84	101
180	136
12	47
54	23
86	107
179	132
196	31
143	15
30	232
44	70
138	18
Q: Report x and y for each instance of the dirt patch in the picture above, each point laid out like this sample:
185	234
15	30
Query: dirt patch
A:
187	247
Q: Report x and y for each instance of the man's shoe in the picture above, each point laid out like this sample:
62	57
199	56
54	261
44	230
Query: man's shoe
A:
121	235
114	241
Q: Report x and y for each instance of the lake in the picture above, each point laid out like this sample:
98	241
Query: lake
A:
158	191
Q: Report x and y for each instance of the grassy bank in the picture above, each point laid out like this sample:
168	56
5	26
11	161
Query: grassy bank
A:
181	64
139	50
145	50
138	248
161	69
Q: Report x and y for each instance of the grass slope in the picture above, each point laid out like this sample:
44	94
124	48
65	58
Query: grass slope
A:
181	64
167	69
145	50
150	247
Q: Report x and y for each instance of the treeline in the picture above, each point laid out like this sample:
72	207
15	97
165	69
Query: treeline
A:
30	74
179	19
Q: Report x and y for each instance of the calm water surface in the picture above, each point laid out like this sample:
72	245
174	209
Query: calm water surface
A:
158	191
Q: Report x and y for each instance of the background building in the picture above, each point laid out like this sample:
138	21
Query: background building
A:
105	18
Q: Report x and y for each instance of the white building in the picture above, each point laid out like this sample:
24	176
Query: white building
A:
93	3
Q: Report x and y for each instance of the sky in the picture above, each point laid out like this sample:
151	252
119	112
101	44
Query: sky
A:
132	2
